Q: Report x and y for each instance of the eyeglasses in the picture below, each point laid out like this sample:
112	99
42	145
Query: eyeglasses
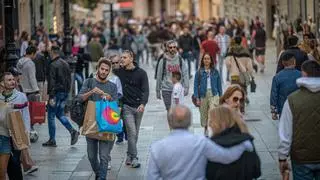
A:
172	47
237	99
115	62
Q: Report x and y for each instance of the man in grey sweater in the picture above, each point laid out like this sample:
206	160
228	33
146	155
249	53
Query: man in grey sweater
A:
28	78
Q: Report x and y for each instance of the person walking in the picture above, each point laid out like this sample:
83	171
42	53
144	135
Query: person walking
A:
223	42
95	50
260	38
185	43
210	46
283	84
170	62
59	82
227	129
135	85
207	88
183	155
95	89
299	126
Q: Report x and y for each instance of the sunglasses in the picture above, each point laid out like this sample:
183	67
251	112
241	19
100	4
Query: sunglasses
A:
237	99
115	62
172	47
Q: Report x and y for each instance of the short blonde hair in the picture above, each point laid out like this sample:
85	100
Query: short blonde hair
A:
223	117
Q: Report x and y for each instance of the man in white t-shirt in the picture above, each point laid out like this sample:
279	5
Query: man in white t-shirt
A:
178	90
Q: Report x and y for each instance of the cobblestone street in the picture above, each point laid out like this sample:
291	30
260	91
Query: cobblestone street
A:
70	162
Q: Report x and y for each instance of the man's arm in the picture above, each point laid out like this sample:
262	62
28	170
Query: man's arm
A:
52	81
32	76
85	91
26	114
153	170
222	155
185	77
159	76
285	132
274	96
145	88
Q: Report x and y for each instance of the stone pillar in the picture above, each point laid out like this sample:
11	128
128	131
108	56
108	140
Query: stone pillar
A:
140	8
24	16
156	8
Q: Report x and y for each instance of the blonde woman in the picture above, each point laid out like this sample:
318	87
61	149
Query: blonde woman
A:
207	88
227	130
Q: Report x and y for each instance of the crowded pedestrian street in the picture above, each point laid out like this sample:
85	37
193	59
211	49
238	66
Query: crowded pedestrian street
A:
71	163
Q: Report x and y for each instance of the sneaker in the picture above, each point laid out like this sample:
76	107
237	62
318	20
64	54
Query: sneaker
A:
31	170
50	143
128	161
74	137
135	163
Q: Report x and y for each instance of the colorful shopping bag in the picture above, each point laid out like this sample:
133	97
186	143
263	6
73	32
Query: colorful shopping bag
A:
108	116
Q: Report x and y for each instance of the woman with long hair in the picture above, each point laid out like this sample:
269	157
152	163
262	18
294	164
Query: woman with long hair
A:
24	41
207	88
233	98
227	129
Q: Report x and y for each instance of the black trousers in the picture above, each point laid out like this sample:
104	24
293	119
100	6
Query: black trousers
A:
14	169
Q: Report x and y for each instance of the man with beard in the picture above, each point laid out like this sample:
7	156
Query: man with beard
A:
135	85
170	62
96	89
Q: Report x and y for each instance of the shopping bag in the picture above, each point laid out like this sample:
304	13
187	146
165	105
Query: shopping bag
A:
18	131
90	129
37	112
89	122
108	116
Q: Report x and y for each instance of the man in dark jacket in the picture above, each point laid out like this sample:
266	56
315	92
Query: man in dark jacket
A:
185	43
135	85
299	55
59	83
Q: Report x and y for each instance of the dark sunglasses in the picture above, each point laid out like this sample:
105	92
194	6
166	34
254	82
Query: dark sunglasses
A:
115	62
172	47
237	99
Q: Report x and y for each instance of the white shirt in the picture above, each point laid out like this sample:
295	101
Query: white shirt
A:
177	92
208	80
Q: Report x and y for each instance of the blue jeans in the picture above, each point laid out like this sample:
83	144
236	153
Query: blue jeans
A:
79	78
103	148
14	170
58	111
305	171
187	56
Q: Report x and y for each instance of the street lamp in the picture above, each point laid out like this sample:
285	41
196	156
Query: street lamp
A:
9	10
110	2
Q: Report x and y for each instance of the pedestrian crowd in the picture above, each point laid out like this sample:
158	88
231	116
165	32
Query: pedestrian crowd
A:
108	69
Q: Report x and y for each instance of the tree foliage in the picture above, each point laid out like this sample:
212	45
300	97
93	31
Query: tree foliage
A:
90	4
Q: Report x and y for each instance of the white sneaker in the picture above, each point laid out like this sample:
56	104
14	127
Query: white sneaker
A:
31	170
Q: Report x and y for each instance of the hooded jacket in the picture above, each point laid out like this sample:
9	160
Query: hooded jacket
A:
19	102
28	79
172	64
301	109
247	167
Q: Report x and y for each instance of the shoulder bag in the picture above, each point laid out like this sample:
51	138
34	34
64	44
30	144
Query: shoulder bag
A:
244	77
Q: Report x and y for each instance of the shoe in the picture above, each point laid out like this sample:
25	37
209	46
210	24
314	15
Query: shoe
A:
97	177
74	137
50	143
128	161
135	163
119	141
31	170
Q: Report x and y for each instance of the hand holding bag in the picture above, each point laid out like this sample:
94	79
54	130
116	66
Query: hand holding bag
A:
244	77
108	117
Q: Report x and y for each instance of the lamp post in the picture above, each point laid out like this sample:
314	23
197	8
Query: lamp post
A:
112	35
11	56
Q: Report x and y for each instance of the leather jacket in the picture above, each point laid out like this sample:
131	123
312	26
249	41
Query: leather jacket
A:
59	77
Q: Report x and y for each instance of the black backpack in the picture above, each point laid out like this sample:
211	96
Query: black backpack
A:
164	65
78	107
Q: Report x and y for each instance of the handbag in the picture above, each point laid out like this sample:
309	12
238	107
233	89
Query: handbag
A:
37	112
18	131
108	117
193	97
244	77
253	85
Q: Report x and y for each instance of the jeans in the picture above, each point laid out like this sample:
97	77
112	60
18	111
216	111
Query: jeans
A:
57	110
79	78
132	120
103	148
187	56
305	171
138	55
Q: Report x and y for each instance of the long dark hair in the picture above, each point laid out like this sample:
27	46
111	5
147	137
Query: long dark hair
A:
212	64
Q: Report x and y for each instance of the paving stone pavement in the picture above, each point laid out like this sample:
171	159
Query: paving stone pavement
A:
67	162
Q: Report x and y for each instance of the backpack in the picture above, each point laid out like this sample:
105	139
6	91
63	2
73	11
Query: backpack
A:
164	65
78	107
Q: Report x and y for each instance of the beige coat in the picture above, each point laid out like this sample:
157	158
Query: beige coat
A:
245	64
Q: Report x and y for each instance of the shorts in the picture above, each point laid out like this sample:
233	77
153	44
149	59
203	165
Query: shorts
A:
260	52
5	145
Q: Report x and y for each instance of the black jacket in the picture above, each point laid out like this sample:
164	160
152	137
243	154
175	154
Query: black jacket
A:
41	63
245	168
135	86
298	54
59	79
186	42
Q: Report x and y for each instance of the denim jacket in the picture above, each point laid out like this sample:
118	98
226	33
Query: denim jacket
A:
216	86
283	84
